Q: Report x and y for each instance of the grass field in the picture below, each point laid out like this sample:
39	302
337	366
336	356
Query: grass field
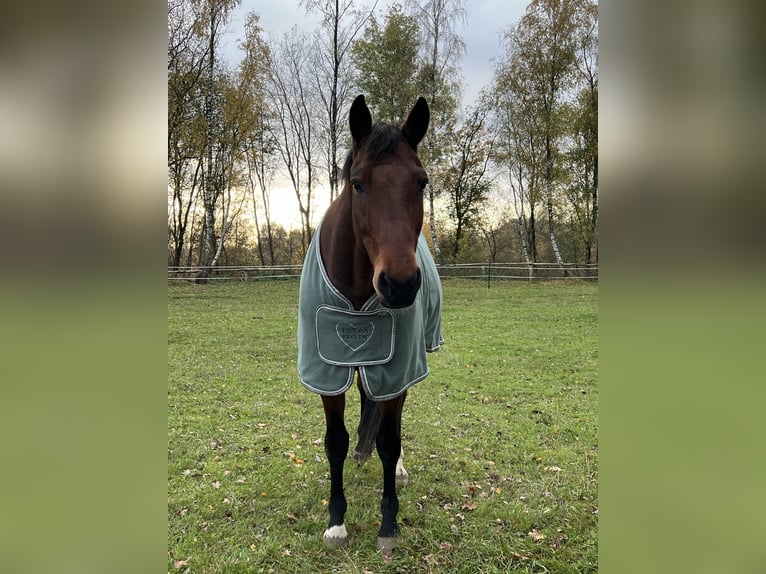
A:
500	440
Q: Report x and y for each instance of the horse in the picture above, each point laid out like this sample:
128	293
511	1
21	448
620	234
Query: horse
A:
370	305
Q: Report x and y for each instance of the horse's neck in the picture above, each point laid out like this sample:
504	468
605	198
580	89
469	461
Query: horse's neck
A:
348	265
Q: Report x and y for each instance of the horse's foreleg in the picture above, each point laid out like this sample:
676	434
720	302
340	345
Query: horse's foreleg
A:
336	448
389	443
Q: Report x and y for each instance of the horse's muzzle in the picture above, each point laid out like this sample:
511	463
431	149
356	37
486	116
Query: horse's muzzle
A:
395	294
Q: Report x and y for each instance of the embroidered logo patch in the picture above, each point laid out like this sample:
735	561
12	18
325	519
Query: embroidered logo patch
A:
355	336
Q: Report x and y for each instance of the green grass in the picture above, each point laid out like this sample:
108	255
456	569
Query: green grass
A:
500	440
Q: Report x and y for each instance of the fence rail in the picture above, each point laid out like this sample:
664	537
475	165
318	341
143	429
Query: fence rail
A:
486	271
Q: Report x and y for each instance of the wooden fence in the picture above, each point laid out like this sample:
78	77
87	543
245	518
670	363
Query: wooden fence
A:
486	272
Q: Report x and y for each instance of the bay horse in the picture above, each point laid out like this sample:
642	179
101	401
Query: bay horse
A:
370	304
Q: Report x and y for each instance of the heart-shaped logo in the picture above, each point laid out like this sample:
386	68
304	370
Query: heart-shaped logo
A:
354	336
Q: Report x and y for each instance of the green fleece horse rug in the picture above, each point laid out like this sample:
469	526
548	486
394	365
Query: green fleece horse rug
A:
387	346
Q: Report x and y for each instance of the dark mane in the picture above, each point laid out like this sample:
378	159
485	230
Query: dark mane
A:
383	140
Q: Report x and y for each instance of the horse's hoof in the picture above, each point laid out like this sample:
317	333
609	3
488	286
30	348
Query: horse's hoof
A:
336	536
402	478
386	545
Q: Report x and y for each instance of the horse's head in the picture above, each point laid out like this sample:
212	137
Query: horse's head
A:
386	181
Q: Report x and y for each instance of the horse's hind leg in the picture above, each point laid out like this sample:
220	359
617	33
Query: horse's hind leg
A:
402	477
336	448
389	443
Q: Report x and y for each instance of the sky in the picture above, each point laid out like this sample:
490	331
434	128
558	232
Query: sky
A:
485	20
481	32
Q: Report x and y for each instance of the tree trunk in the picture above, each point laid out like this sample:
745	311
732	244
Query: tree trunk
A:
257	226
269	232
594	210
208	241
549	194
432	225
225	224
532	234
458	237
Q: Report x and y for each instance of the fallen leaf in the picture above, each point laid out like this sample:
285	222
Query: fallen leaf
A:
535	535
552	468
216	484
286	552
445	546
469	506
180	563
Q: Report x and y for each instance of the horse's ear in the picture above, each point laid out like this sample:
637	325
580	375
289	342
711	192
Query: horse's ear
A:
359	119
417	123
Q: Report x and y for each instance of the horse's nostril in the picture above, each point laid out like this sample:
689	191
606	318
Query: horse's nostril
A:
383	281
398	294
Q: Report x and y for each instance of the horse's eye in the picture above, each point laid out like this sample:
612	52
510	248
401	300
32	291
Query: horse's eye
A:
357	186
423	185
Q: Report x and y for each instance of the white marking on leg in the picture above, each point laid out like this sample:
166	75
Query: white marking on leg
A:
336	536
401	473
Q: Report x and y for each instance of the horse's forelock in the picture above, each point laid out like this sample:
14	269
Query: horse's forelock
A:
383	140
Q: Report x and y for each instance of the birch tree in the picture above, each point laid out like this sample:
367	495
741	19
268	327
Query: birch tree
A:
238	122
466	179
186	65
545	42
260	147
294	102
441	52
331	70
385	61
583	193
212	18
519	146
